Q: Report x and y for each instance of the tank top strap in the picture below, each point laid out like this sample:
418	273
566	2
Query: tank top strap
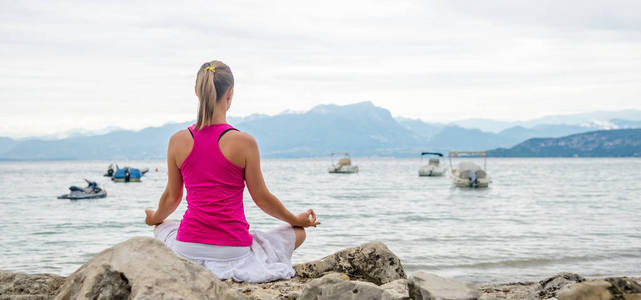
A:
224	129
191	130
213	131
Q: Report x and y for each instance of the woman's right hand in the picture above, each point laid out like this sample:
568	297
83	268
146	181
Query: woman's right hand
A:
150	220
306	219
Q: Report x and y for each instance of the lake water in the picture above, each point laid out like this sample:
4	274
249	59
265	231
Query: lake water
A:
539	217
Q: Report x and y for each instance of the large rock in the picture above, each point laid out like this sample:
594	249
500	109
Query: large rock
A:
282	289
339	287
372	262
510	291
550	287
29	286
398	289
603	289
424	286
591	290
143	268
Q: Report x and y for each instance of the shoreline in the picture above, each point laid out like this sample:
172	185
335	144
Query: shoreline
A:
129	270
46	285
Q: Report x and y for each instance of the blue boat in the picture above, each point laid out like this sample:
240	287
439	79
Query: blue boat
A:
127	174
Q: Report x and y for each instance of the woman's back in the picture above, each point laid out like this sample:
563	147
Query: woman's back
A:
215	185
215	162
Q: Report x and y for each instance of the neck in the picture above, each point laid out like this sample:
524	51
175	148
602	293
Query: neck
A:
220	117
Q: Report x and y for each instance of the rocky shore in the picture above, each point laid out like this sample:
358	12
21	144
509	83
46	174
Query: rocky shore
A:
143	268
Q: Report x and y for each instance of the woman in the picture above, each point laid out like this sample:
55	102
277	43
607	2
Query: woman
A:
214	161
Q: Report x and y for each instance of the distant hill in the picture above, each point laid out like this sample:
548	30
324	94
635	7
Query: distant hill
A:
149	143
422	130
362	129
622	124
6	144
603	143
595	120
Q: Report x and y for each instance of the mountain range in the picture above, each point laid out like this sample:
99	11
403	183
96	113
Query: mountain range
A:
362	129
602	143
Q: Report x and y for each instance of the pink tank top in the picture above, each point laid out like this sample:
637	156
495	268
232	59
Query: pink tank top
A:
215	213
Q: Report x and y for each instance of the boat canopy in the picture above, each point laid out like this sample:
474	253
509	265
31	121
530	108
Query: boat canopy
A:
458	153
432	153
483	154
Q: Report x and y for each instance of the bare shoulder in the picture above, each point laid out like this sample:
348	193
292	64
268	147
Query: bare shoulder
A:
180	137
181	142
243	139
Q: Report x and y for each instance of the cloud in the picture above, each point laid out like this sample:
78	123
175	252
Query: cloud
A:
130	64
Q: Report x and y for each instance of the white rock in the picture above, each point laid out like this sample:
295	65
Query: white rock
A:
143	268
397	288
424	286
333	287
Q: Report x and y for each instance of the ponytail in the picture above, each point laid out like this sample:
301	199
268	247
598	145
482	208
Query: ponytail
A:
213	80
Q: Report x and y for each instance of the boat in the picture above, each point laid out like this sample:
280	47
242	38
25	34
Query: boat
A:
128	174
343	166
125	174
433	167
467	173
110	170
91	191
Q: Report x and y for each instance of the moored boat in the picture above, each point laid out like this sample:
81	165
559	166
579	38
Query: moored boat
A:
127	174
433	167
468	173
343	166
111	171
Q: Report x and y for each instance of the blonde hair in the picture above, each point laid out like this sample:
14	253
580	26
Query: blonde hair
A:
213	80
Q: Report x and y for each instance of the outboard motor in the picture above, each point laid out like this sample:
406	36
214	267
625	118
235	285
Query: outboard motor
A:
474	181
127	175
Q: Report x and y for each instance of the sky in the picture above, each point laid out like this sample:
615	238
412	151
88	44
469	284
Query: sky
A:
90	65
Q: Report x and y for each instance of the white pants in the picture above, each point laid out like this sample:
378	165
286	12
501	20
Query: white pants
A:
267	259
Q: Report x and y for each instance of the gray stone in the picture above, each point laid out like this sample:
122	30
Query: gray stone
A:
510	291
282	289
623	287
619	288
372	262
29	286
424	286
398	289
143	268
589	290
550	287
333	287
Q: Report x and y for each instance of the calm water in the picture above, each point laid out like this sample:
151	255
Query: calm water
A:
539	217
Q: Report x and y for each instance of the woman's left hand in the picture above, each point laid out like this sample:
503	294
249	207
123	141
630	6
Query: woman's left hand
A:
149	220
306	219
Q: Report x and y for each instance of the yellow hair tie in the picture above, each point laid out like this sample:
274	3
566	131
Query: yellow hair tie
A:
210	68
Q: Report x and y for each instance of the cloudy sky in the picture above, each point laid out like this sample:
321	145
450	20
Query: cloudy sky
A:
131	64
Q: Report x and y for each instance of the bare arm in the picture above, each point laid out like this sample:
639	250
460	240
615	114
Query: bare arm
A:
263	198
171	197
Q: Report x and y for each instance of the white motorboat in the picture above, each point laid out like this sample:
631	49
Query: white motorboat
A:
433	167
467	173
343	166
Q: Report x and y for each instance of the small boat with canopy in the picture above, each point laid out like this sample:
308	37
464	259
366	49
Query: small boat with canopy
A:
433	167
468	173
343	165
